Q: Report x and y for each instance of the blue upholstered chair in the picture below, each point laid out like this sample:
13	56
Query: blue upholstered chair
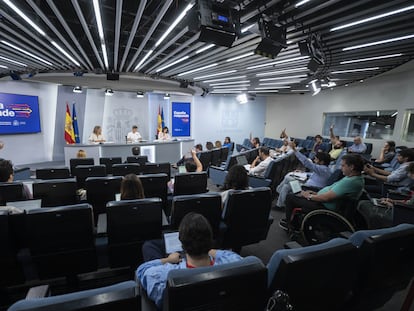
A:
121	296
317	277
246	216
387	266
234	286
206	204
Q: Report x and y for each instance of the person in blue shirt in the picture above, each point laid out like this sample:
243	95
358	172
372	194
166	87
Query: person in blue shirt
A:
317	178
358	146
349	187
196	237
227	142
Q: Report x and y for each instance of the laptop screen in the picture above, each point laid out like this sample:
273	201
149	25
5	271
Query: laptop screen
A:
241	160
26	205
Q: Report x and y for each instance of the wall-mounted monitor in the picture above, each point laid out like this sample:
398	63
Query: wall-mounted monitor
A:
19	114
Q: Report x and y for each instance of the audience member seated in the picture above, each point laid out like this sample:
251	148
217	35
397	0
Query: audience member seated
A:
191	165
196	238
381	216
227	142
81	154
218	144
329	197
236	179
337	144
255	142
397	177
260	164
358	146
317	147
209	145
7	175
131	188
181	162
318	178
285	147
387	152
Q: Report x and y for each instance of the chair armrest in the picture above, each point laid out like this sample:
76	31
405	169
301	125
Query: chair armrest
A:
292	244
38	292
102	225
345	234
257	181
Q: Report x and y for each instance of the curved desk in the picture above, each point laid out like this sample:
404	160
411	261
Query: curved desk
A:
157	152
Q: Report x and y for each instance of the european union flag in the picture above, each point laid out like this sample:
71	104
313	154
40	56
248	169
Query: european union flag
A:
162	117
75	125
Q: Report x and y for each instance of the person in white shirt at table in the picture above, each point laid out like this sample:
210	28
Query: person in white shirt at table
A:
164	134
96	136
134	136
260	164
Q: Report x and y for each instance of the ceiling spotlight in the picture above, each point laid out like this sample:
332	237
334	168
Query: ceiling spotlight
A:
242	98
167	96
109	92
140	94
315	86
77	89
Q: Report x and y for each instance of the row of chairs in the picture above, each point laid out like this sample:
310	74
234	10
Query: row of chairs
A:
106	161
100	190
306	143
273	175
213	157
61	240
359	273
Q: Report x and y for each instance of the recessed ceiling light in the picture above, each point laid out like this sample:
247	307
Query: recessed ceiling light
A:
355	70
167	96
378	42
370	58
109	92
77	89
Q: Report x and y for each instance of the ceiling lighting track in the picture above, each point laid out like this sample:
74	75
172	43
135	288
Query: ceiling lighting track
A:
62	21
229	83
118	17
224	79
197	69
281	72
373	18
59	35
154	25
88	34
212	56
165	46
355	70
34	43
98	17
12	61
22	15
26	52
370	59
378	42
133	31
216	74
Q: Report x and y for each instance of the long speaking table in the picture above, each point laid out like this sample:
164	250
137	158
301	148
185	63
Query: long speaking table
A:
157	152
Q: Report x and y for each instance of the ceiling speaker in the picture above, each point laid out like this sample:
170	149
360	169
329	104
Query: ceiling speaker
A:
217	23
112	76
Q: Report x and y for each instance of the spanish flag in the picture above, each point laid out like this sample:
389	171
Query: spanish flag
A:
69	133
159	121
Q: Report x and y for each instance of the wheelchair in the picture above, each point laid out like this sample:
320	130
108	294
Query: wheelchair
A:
322	225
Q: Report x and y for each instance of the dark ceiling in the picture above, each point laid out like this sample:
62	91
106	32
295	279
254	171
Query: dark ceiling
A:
132	28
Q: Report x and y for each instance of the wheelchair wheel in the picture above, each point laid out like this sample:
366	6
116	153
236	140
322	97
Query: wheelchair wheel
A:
323	225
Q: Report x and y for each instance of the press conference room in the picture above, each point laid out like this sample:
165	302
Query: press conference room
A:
203	71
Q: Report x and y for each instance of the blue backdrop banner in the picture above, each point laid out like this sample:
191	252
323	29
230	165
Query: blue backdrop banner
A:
181	119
